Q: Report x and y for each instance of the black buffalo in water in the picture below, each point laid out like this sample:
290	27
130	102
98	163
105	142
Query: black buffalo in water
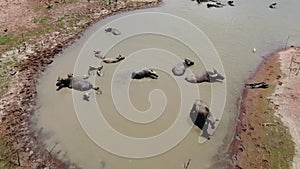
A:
200	113
207	76
273	5
180	68
76	83
145	73
215	5
257	85
230	3
114	31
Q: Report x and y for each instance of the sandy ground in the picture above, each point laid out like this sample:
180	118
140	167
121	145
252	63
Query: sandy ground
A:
19	15
287	96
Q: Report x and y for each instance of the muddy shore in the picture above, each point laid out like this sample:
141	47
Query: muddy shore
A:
266	129
17	103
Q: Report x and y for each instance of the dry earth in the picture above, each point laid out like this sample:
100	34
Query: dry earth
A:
267	134
287	96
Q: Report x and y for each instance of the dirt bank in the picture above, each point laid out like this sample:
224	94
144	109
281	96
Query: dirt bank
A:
286	97
266	130
45	29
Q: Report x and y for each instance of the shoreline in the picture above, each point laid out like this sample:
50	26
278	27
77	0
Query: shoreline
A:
17	104
261	138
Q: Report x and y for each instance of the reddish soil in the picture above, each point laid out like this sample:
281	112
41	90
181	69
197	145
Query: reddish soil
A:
286	96
259	132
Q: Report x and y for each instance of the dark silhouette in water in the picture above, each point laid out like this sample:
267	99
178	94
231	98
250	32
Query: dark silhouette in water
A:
114	31
273	5
76	83
145	73
230	3
200	113
257	85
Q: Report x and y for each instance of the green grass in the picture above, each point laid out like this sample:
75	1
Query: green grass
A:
280	147
39	31
4	160
71	1
41	19
59	19
7	39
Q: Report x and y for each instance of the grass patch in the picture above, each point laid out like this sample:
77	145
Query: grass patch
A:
70	23
4	160
41	19
280	145
71	1
8	39
39	31
60	19
280	148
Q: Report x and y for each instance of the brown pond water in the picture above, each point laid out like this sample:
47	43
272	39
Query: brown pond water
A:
158	104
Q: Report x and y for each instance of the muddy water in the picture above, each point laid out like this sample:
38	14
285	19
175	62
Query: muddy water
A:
234	31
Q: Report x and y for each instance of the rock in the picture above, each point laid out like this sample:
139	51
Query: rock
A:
238	137
39	160
234	157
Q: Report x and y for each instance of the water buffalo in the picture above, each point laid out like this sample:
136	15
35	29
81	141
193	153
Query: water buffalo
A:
97	69
114	60
200	113
86	96
273	5
76	83
114	31
179	69
206	76
257	85
144	74
216	5
230	3
98	54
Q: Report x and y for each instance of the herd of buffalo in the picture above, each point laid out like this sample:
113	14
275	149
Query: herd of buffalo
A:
219	4
200	111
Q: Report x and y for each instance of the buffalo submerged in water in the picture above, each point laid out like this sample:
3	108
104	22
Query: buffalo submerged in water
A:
144	73
180	68
76	83
206	76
